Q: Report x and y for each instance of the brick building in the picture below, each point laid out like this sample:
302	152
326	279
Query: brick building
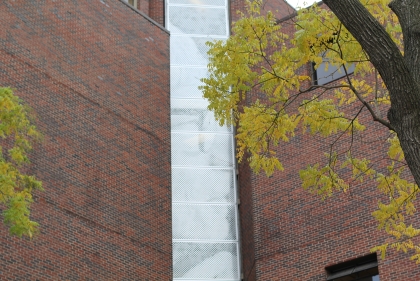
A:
290	234
96	74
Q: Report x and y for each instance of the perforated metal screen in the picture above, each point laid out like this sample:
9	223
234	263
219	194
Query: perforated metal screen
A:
204	205
202	149
190	51
206	20
185	81
191	184
192	115
203	221
214	261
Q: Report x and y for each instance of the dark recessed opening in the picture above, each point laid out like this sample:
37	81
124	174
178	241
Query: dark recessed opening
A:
360	269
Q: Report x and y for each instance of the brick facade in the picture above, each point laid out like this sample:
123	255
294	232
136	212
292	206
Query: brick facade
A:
157	11
96	74
290	234
280	8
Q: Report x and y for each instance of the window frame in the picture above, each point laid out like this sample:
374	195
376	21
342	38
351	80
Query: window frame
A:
366	266
134	5
332	74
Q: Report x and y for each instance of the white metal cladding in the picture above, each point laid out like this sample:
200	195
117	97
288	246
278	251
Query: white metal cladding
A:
203	221
206	20
204	205
214	261
202	149
191	184
190	51
192	115
185	81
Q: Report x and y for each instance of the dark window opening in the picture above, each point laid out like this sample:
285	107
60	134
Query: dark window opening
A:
322	75
361	269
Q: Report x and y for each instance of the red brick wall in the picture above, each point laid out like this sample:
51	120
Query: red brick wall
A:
157	11
280	8
296	234
143	5
96	74
246	176
246	211
289	234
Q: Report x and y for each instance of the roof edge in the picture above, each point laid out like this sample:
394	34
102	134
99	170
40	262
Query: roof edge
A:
292	15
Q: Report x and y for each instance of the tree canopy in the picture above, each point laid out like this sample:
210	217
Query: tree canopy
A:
16	187
256	82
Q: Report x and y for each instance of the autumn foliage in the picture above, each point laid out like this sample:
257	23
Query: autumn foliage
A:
16	187
256	83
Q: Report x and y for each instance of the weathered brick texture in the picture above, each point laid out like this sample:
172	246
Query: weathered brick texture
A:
96	74
157	10
290	234
280	8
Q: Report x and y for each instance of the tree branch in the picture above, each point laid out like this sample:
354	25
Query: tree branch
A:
383	52
400	75
372	112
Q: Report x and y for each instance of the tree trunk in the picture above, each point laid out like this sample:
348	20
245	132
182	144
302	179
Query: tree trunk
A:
401	74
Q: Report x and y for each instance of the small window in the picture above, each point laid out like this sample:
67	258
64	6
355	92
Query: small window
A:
132	3
361	269
322	76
